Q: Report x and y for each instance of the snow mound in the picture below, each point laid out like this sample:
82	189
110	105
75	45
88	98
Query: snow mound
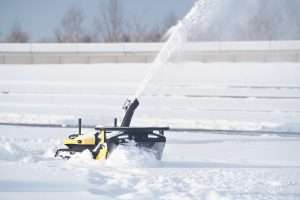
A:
83	160
26	150
84	156
10	152
131	156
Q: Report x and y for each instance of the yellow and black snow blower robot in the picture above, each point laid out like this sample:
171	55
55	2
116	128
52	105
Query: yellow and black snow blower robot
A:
106	139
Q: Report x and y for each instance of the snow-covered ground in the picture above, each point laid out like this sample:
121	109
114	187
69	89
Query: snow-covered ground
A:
195	165
248	96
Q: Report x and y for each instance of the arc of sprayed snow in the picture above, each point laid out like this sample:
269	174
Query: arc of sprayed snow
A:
177	37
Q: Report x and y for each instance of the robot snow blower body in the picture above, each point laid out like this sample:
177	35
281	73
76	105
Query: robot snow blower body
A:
102	143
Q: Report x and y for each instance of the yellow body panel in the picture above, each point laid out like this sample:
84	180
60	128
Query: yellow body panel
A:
101	136
90	139
87	139
102	153
103	147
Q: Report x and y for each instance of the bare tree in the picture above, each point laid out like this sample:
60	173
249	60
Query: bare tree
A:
71	29
169	21
110	21
138	31
17	35
135	30
154	34
113	26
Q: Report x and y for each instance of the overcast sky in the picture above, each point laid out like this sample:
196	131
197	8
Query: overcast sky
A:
40	17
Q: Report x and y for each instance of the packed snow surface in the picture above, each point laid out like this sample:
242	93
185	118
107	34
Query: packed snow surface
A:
194	166
232	96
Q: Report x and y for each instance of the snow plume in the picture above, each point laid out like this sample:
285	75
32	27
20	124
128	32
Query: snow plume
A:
229	20
124	156
251	20
130	155
199	14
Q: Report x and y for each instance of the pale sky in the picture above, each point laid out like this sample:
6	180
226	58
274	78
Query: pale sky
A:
40	17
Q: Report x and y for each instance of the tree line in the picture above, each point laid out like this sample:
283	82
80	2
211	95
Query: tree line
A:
110	25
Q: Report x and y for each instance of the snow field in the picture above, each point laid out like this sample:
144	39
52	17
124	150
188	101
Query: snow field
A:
194	166
205	166
247	96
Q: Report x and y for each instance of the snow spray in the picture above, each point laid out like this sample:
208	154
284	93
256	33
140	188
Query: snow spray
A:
177	37
130	155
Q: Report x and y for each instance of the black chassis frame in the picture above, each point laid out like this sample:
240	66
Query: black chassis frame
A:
133	130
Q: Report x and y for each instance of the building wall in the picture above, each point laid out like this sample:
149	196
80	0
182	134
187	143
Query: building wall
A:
52	53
